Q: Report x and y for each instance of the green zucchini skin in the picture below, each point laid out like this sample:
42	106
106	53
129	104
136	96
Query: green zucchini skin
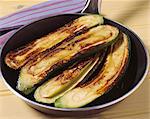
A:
69	52
113	68
67	80
19	57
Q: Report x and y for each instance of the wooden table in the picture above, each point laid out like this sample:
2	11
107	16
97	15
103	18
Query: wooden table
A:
133	14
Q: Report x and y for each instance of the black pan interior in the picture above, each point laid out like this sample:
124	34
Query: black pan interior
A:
133	75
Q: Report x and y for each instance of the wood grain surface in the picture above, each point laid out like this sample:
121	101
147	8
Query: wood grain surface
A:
135	15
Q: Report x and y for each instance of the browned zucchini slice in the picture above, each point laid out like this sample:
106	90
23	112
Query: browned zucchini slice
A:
19	57
113	68
59	85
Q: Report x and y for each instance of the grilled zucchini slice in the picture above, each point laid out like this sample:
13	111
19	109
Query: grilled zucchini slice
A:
19	57
113	68
59	85
90	42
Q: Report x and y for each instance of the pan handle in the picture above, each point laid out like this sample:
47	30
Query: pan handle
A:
92	6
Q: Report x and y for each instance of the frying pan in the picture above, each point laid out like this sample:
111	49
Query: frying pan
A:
132	79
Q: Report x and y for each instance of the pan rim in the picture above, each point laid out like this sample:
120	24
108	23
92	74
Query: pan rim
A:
82	108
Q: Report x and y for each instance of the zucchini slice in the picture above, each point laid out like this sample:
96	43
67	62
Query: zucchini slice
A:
48	61
59	85
113	68
19	57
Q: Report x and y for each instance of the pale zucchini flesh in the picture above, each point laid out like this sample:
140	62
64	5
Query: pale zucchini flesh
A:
35	71
112	69
59	85
19	57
